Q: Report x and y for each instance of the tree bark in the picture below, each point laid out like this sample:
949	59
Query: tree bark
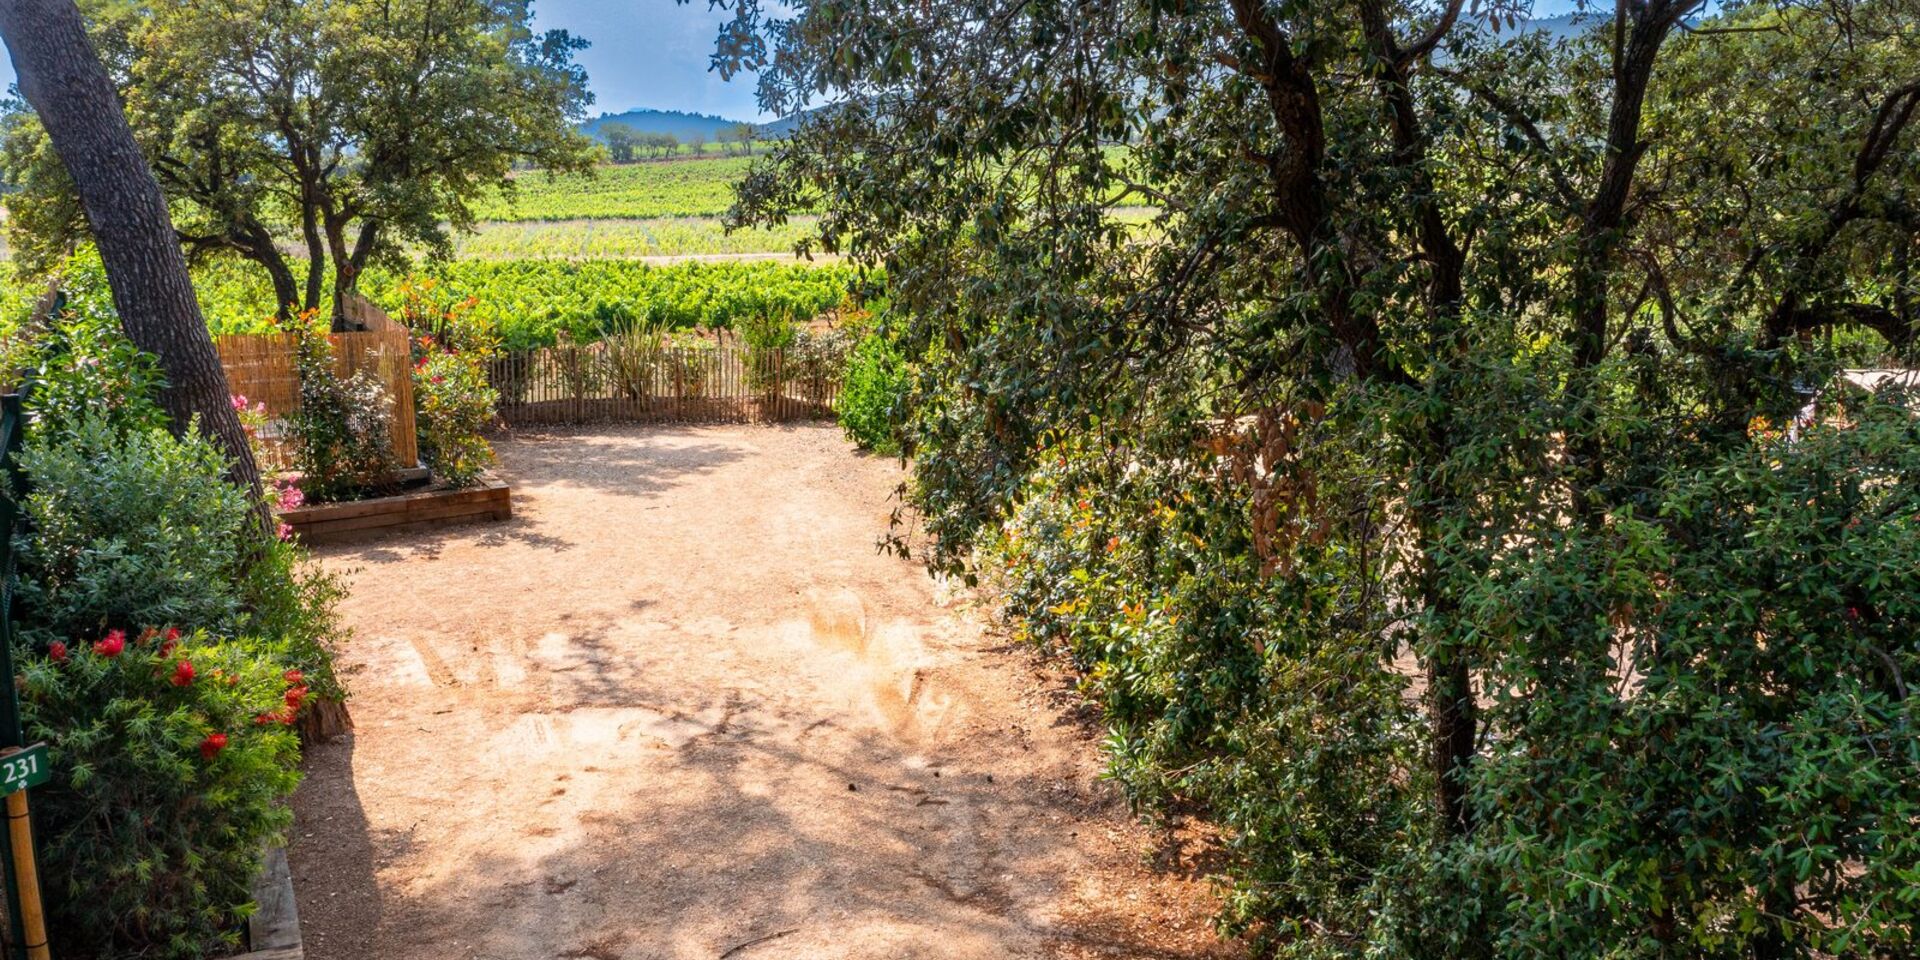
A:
63	79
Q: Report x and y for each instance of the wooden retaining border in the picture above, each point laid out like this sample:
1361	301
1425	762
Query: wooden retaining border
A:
273	932
490	500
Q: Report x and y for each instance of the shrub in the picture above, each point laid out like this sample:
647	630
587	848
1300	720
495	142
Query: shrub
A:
453	397
814	362
153	826
453	403
767	338
634	355
578	364
168	783
691	359
342	431
127	529
79	365
873	392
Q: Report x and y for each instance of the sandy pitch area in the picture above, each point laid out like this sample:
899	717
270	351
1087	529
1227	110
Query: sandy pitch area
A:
680	708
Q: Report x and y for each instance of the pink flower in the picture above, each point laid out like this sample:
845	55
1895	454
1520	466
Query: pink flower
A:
284	531
57	652
239	401
213	744
110	647
290	498
182	673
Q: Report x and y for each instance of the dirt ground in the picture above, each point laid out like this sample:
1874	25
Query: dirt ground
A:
680	708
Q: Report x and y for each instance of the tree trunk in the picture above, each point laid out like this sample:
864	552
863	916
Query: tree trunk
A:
256	243
64	81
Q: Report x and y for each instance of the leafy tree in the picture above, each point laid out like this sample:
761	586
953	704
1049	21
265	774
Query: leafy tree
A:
744	134
85	140
1410	486
621	139
358	127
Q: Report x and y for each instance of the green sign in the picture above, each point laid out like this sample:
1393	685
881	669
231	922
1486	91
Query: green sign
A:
24	768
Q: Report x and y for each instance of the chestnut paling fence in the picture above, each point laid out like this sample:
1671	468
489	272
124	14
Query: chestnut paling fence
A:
645	379
263	368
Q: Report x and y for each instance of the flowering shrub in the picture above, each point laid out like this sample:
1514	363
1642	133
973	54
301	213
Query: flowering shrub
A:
167	785
342	431
453	400
453	404
171	751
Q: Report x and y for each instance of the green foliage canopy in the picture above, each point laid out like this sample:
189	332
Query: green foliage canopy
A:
1412	490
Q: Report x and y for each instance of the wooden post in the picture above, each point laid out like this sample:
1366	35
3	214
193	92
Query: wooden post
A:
33	917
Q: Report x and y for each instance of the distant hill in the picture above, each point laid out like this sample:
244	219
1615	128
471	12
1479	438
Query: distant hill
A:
1566	26
682	125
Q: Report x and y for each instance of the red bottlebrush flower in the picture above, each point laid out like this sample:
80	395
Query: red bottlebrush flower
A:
112	645
286	718
293	676
261	720
182	673
295	697
173	634
214	743
439	379
57	652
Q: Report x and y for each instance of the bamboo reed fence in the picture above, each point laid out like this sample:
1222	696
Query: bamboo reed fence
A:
646	379
262	368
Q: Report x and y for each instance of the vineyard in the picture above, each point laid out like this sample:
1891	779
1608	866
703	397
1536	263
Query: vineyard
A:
681	188
619	239
531	302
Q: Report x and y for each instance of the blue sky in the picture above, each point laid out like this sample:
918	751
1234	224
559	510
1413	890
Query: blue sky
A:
653	53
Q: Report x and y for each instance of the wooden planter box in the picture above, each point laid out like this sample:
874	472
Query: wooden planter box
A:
490	500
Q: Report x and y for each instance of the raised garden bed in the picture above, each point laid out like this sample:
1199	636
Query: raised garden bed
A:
490	500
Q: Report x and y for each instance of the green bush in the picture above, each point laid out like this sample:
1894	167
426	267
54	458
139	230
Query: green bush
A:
767	338
453	403
169	780
342	431
814	362
128	529
172	763
873	393
691	360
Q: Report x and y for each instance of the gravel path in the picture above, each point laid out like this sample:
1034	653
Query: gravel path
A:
681	708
